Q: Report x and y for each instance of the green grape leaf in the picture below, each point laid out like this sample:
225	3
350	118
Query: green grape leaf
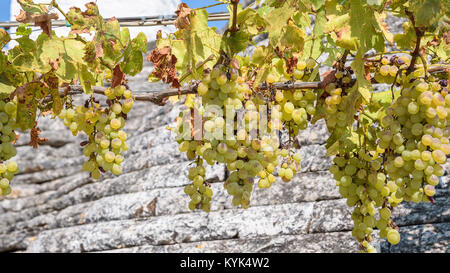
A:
200	41
140	43
349	103
26	44
112	29
66	71
314	47
406	40
277	18
53	84
51	50
87	80
293	37
443	51
428	12
238	41
317	4
251	21
362	22
262	75
5	85
132	63
26	103
125	36
259	55
75	50
302	19
4	37
364	86
23	30
335	23
29	6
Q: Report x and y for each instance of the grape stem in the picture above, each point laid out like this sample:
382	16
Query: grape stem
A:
419	34
233	28
189	72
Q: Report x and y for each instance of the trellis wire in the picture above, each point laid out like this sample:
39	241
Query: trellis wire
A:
138	21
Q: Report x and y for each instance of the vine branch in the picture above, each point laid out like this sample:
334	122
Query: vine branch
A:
158	97
419	34
233	28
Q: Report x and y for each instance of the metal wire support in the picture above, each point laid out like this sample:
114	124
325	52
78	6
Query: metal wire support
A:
142	21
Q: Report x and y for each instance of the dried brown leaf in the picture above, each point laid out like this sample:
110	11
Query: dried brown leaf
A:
183	13
164	65
44	21
35	139
118	77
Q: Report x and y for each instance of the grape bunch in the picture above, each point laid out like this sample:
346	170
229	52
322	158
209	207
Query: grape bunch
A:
199	190
8	110
106	139
416	139
302	70
403	163
247	151
386	69
362	181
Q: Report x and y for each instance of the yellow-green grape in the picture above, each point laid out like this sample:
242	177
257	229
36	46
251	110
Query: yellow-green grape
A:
127	94
115	124
109	157
301	65
12	166
310	63
116	108
271	79
202	89
116	169
393	236
384	70
119	90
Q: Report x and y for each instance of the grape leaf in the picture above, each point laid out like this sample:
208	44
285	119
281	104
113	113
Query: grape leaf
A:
5	85
66	71
364	86
428	12
4	37
75	50
86	78
293	37
277	18
26	103
362	22
29	6
50	51
251	21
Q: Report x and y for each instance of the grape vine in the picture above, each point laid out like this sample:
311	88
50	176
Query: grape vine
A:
245	107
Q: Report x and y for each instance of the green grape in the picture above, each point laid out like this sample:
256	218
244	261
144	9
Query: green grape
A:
393	236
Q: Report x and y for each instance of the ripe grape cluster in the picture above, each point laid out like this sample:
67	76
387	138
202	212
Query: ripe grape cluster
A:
232	133
386	69
416	139
8	110
403	162
103	125
199	190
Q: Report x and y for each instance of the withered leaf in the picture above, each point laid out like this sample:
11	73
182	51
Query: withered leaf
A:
183	12
35	139
165	65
